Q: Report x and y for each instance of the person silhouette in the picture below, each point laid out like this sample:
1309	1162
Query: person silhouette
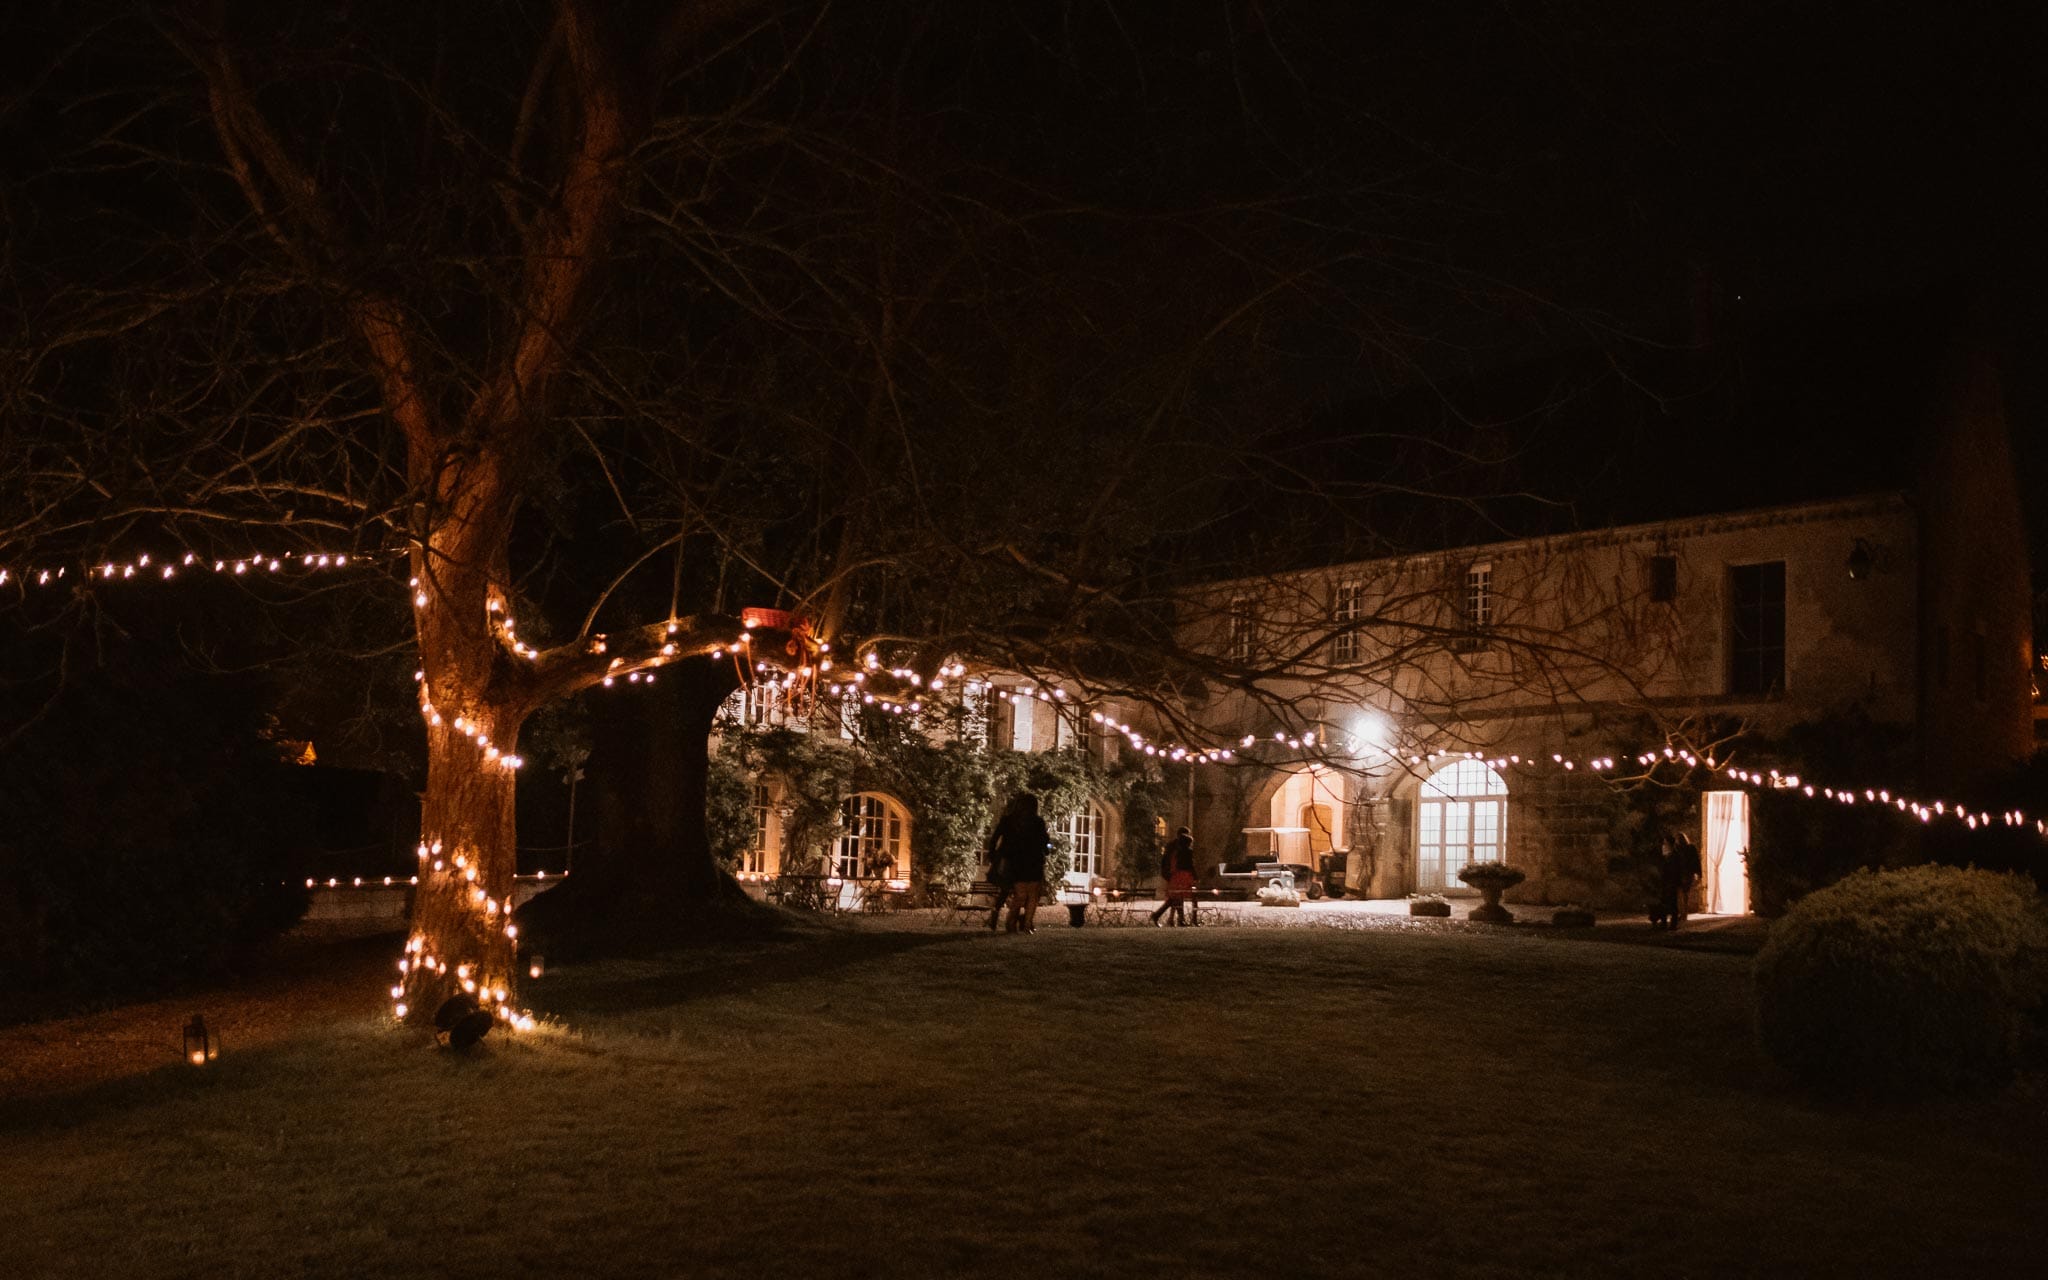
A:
1021	844
1686	867
992	851
1177	869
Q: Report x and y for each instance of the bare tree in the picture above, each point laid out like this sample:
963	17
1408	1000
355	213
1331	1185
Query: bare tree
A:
608	327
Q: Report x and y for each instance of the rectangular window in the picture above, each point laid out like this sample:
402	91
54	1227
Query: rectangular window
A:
1479	596
1475	609
1023	721
1756	631
1002	719
1011	720
766	703
976	719
1242	635
1346	608
757	857
1084	840
1105	737
1662	572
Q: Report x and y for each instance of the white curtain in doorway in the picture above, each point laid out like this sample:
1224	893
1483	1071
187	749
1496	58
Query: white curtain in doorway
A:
1724	854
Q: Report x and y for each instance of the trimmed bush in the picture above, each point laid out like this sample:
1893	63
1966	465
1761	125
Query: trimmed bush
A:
1909	981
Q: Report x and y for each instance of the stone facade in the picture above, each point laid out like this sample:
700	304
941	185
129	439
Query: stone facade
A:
1860	586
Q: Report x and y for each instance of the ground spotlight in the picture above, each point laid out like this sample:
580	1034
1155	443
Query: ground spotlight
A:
460	1022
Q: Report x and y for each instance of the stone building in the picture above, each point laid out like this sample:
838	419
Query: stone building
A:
1447	690
1848	548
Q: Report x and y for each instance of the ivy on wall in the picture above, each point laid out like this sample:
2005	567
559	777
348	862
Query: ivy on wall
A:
940	769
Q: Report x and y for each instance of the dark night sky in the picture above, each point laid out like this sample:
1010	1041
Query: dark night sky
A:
1644	175
1817	196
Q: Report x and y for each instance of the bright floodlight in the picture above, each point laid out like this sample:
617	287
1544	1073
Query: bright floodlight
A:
1367	734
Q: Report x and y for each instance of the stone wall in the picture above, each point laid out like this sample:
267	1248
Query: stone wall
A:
1559	833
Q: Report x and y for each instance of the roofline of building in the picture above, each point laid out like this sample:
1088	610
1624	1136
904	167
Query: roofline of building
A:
1682	526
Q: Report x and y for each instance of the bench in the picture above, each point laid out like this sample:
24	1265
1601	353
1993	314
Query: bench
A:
977	899
803	892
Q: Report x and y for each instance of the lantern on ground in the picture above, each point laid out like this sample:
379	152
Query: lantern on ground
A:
536	965
201	1047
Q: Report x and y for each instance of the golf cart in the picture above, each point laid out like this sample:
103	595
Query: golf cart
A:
1286	854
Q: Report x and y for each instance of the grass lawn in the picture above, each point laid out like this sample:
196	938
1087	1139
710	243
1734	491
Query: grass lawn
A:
887	1101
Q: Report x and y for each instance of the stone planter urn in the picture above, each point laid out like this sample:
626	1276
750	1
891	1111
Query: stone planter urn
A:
1491	879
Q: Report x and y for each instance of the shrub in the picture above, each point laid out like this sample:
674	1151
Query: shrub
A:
1428	904
149	839
1481	874
1572	916
1907	981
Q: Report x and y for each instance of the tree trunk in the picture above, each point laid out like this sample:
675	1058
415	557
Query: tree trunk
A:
462	939
655	754
649	879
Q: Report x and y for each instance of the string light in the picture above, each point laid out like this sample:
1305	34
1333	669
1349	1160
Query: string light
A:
418	960
188	564
177	567
1666	755
26	577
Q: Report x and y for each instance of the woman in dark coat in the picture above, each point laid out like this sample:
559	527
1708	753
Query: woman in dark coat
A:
1685	871
1177	869
1020	846
997	875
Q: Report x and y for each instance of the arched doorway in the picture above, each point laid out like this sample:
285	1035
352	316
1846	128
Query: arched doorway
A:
1308	817
1462	817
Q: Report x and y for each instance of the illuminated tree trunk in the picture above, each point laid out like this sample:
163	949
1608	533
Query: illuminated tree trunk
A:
473	702
462	938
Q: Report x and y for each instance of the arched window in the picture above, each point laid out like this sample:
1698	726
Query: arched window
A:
872	832
1083	830
1462	818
